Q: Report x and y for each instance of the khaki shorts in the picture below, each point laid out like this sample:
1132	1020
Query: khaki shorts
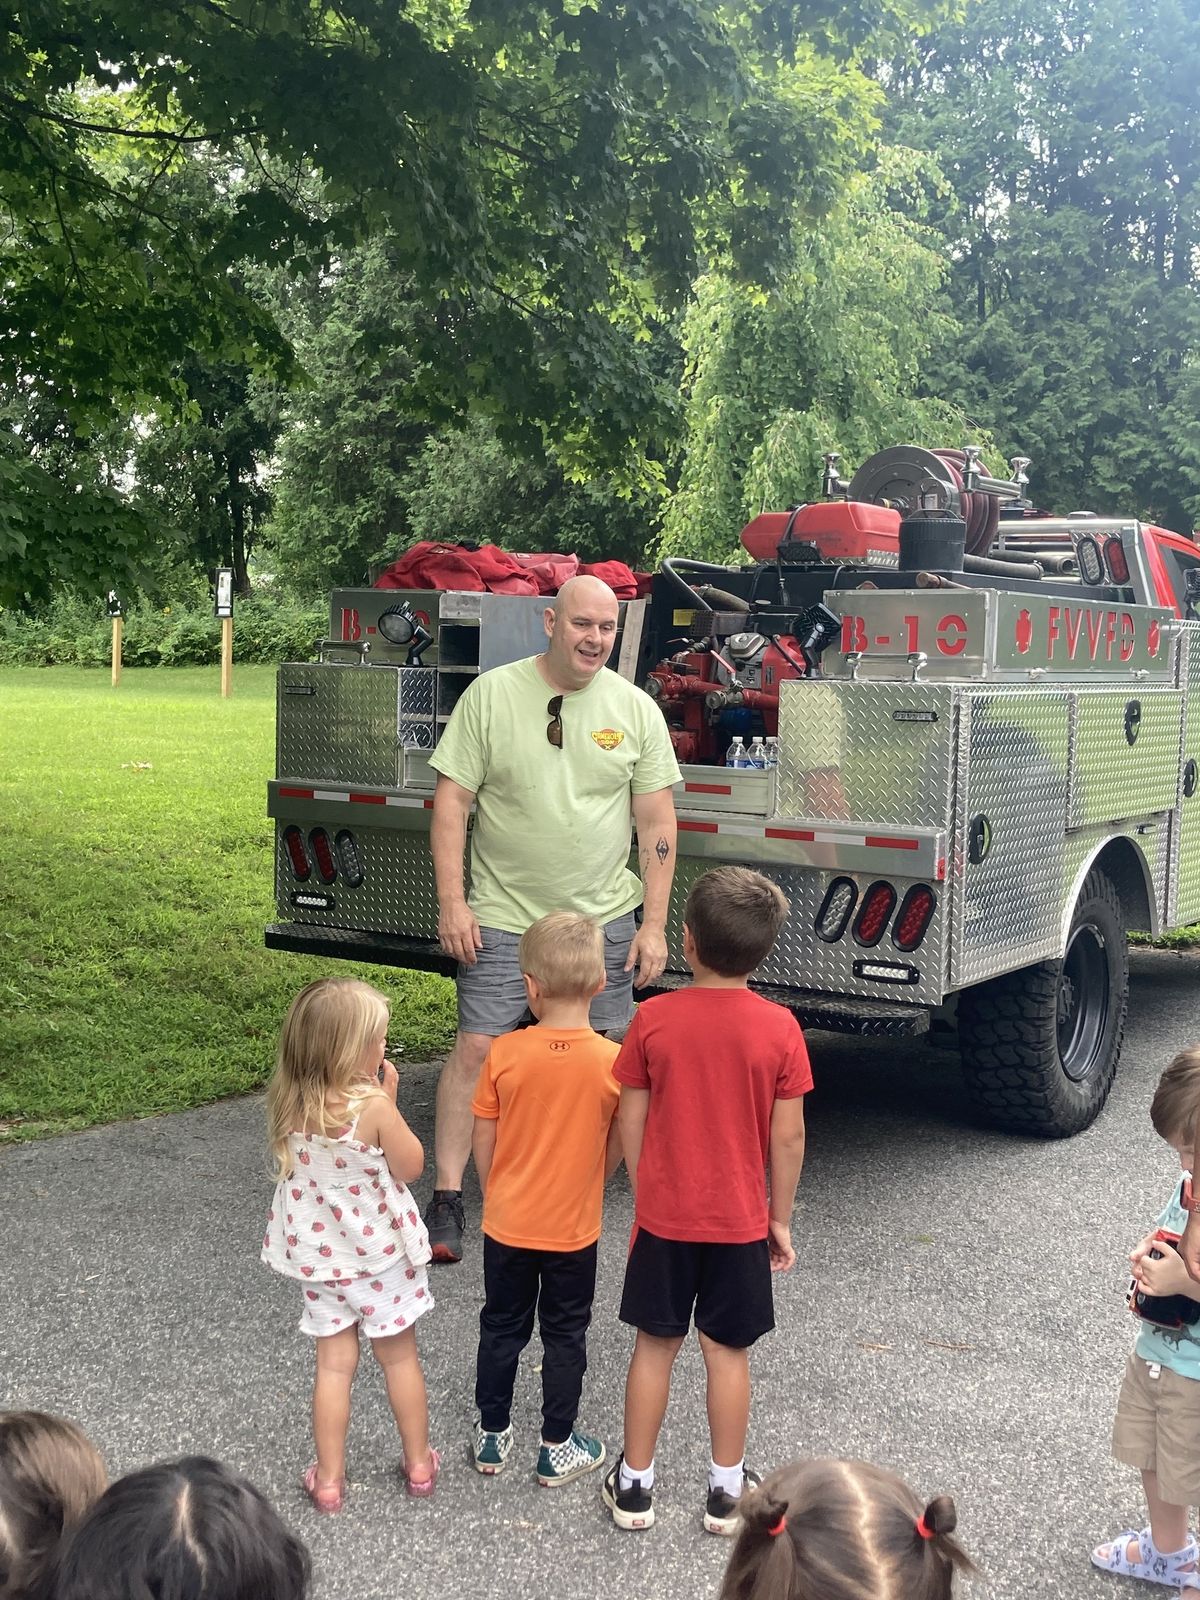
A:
1157	1429
491	994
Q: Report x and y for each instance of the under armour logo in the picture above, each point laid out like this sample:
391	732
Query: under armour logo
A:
559	1044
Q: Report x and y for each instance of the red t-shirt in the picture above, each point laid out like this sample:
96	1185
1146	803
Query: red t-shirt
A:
715	1061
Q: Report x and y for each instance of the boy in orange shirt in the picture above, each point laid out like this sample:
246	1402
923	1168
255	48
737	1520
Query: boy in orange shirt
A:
545	1141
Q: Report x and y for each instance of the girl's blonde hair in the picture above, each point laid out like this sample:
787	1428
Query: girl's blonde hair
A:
328	1030
839	1530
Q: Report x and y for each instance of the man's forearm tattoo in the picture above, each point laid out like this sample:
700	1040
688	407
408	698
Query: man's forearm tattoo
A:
662	850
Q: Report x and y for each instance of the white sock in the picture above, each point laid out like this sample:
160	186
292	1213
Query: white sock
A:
727	1478
644	1476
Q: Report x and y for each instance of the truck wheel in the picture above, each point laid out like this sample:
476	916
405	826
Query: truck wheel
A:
1039	1047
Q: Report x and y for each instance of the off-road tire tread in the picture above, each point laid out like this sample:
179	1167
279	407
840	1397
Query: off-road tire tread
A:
1009	1048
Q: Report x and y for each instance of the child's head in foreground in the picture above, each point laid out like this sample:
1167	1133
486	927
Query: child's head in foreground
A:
562	958
1176	1104
188	1529
733	916
50	1473
842	1530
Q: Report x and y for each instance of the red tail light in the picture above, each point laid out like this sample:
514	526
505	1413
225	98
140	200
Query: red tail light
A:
322	849
293	843
835	910
878	904
1118	563
913	918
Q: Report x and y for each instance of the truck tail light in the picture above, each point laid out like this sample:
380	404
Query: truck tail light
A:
318	841
1117	561
877	906
349	859
913	918
293	843
835	910
1091	562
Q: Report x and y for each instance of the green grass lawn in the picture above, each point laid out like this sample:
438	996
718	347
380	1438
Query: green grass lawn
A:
135	883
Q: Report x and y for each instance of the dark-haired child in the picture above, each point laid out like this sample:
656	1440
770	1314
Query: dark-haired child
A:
1157	1427
842	1530
50	1473
713	1079
188	1529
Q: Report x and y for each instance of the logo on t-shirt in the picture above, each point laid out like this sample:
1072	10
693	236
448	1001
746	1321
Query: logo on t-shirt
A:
607	738
559	1044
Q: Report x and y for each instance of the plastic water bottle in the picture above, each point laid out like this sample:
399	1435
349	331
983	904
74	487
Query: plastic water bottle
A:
735	756
757	756
772	749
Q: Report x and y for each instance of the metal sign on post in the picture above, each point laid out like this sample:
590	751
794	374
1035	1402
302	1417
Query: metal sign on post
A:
223	608
113	602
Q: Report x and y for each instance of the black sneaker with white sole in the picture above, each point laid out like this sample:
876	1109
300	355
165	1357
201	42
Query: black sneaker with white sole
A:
631	1508
722	1512
445	1221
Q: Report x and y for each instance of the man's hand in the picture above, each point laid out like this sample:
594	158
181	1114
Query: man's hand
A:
779	1243
1189	1246
458	932
648	953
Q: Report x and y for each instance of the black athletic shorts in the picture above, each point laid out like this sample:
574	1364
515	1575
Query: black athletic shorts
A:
728	1285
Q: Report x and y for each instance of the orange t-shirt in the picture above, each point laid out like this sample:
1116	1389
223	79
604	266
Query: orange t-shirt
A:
553	1094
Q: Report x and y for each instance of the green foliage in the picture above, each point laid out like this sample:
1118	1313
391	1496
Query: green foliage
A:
133	897
833	360
74	630
1071	135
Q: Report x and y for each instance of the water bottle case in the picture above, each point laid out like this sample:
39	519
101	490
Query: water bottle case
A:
1163	1310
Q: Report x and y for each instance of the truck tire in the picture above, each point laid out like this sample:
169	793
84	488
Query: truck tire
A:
1039	1047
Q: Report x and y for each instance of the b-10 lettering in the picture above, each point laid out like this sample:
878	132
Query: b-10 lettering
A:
949	635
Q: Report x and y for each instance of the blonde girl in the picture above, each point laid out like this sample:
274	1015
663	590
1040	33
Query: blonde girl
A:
842	1530
342	1222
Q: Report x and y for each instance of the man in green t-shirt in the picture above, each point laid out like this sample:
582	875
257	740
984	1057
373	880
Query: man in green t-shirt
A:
556	755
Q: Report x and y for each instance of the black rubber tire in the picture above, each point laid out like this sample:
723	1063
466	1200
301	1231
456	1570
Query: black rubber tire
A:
1017	1069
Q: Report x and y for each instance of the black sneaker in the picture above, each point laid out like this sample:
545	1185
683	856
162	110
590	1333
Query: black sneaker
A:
445	1221
631	1508
722	1512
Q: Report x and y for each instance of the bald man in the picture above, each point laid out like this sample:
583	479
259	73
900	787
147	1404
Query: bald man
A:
556	754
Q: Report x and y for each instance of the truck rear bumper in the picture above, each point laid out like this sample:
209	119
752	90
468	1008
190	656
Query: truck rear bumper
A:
824	1012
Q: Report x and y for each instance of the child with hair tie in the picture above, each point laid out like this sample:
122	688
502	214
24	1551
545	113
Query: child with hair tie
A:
842	1530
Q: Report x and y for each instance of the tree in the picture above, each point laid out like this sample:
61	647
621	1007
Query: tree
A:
1070	132
833	360
548	174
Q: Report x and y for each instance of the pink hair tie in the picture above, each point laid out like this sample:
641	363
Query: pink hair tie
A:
923	1528
778	1527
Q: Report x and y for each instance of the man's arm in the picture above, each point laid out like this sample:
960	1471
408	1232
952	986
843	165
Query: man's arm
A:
654	818
458	930
785	1160
631	1120
1189	1243
483	1148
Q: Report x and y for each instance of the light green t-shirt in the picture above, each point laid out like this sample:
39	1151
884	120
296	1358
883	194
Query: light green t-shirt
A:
552	826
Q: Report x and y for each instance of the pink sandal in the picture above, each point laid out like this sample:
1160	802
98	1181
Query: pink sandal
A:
421	1488
326	1497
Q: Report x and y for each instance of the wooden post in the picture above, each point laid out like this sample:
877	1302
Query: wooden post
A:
118	625
226	657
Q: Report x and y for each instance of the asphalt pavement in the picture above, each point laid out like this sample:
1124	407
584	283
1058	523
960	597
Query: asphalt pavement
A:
956	1313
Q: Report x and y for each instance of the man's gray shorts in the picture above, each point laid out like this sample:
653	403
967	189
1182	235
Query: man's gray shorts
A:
491	994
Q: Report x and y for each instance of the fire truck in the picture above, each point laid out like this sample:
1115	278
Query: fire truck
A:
987	725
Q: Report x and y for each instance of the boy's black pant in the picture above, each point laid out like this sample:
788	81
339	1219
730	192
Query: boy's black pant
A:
560	1285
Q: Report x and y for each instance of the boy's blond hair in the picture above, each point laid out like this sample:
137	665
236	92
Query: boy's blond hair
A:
565	953
1173	1111
734	915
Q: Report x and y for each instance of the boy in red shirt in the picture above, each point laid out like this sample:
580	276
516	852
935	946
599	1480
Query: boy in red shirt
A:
713	1080
545	1140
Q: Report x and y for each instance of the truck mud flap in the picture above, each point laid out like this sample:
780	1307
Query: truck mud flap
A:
828	1013
353	944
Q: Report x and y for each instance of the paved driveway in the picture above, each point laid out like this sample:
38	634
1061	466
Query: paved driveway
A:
956	1313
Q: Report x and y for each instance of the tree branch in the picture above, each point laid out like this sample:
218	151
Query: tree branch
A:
114	130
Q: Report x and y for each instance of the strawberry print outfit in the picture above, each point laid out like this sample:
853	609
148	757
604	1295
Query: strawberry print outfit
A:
342	1226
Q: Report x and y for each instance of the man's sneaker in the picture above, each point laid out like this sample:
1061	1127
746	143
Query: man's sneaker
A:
445	1221
577	1454
632	1507
722	1512
490	1449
